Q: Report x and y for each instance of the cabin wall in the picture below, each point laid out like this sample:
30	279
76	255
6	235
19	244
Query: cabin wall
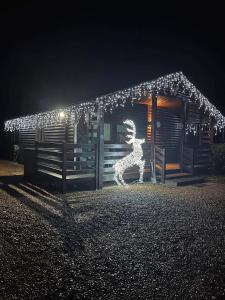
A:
54	133
87	130
201	142
118	131
203	135
193	113
193	117
27	138
58	132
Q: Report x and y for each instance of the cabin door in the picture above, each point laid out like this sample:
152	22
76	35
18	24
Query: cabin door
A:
169	133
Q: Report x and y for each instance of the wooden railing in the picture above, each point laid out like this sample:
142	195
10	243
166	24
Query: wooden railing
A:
202	158
80	162
114	152
160	163
188	159
66	161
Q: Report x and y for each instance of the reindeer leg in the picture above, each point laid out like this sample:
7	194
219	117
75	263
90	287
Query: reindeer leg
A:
116	178
141	170
121	179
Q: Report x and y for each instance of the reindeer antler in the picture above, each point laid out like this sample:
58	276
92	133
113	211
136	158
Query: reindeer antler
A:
131	130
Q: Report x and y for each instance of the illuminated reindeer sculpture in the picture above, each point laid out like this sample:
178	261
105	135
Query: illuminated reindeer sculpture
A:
132	159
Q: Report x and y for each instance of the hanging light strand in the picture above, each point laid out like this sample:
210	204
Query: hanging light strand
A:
172	84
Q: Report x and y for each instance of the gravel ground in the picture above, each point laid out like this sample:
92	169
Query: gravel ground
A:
142	242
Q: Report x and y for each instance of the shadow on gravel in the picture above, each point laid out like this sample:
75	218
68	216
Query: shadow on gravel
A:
11	179
57	211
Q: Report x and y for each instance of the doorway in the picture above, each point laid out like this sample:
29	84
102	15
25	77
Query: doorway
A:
169	128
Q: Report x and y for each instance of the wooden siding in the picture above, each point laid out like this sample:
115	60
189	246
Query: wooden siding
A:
169	126
27	138
193	113
58	132
201	142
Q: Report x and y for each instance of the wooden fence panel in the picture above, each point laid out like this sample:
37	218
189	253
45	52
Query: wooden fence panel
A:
160	163
79	161
115	152
60	161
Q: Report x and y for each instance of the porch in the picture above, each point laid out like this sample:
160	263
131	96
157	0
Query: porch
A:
75	166
80	164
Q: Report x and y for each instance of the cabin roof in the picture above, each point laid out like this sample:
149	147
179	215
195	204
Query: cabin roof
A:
172	84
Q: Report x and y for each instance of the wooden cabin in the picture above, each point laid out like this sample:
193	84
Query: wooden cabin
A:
81	143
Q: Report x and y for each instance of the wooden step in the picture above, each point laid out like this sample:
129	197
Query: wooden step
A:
185	181
202	166
172	168
68	177
177	175
174	171
49	173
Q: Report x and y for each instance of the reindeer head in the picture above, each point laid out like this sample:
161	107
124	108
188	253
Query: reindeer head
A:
132	136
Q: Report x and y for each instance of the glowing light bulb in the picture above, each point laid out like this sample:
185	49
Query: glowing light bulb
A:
62	115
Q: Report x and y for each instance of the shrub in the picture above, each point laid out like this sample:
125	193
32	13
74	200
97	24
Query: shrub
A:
218	158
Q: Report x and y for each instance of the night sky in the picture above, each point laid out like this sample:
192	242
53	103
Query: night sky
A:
55	54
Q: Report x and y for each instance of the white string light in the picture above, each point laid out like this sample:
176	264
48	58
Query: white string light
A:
172	84
191	128
42	120
132	159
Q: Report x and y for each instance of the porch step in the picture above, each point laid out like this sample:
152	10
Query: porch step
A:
177	175
185	181
202	166
173	171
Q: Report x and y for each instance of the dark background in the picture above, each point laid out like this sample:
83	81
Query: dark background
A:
54	54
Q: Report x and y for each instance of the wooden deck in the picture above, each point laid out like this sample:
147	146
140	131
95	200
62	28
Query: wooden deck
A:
10	168
172	166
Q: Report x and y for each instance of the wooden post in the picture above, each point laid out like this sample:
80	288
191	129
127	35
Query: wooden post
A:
113	133
183	134
164	166
100	149
67	128
153	130
192	161
96	166
223	135
63	167
36	157
75	142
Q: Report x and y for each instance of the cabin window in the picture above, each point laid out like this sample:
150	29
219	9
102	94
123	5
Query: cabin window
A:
107	132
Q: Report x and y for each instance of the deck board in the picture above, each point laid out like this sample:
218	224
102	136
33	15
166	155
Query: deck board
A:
172	166
11	168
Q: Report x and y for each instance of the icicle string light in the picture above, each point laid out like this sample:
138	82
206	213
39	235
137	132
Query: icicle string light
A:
173	84
42	120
